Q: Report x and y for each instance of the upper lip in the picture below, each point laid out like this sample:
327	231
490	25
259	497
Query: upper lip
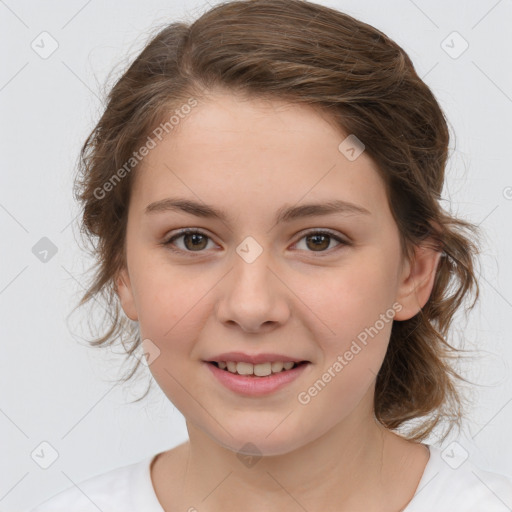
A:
240	357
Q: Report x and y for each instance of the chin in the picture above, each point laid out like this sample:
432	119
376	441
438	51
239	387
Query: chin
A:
260	443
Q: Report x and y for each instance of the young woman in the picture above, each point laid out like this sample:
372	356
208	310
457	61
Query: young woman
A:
263	189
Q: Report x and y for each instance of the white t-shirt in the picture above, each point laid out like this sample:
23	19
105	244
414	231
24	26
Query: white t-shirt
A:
441	489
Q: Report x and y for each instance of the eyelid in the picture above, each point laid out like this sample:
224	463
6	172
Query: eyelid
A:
327	231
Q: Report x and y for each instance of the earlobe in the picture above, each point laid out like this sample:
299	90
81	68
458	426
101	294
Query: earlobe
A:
417	281
125	293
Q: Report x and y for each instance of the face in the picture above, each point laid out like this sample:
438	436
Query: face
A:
315	287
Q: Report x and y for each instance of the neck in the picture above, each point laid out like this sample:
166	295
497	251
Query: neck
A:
357	465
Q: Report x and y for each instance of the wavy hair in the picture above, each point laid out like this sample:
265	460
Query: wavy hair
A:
303	53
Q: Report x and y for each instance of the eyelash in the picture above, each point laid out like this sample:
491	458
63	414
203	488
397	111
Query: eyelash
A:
191	231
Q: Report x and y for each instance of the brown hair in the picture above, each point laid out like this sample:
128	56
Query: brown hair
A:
304	53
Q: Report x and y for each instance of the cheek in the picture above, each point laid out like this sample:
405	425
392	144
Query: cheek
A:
351	296
163	297
352	321
169	316
351	316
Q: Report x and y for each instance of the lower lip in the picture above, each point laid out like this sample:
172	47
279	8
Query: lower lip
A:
256	386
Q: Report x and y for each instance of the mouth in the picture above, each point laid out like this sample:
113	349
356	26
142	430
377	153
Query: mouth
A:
256	380
260	370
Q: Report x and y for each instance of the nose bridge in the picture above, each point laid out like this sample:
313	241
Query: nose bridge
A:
252	270
253	295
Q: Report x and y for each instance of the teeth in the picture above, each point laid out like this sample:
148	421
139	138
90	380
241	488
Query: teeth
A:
277	366
260	370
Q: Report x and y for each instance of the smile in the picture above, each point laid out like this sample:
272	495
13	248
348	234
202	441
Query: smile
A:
252	384
258	370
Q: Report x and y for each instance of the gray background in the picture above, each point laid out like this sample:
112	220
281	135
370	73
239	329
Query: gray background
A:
54	388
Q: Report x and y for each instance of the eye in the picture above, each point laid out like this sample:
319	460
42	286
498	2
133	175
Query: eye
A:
195	240
321	240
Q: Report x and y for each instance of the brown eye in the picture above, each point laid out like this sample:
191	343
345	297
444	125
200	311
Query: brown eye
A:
319	241
193	241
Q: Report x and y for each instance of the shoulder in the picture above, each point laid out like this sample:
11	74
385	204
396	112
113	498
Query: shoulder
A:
457	484
111	491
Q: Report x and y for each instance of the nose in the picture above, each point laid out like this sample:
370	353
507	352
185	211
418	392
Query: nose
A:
253	296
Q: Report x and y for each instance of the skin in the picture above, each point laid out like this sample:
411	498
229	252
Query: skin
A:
250	157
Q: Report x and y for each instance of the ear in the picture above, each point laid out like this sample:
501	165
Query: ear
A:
417	281
125	294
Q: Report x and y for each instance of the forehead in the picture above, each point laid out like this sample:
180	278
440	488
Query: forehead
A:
232	148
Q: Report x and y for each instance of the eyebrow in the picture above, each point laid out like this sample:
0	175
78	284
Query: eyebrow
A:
284	214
